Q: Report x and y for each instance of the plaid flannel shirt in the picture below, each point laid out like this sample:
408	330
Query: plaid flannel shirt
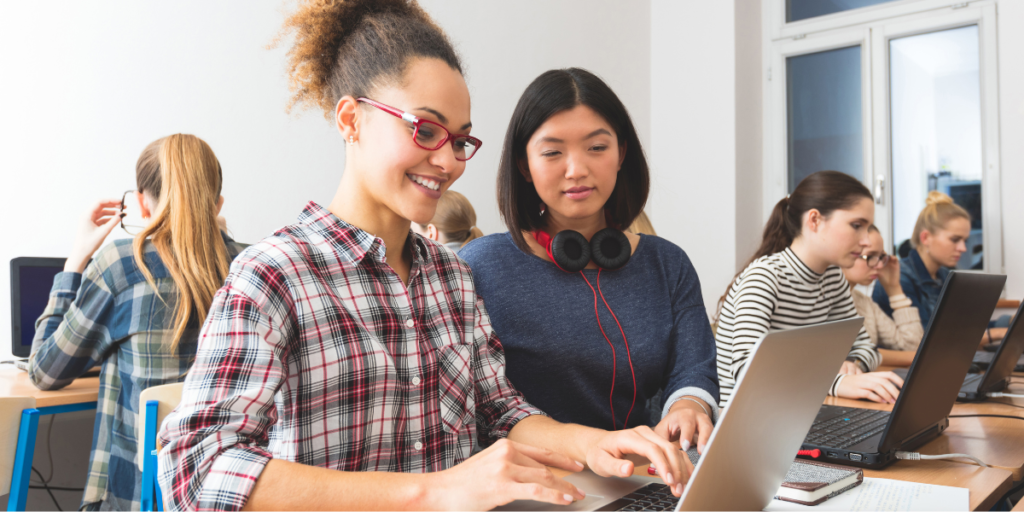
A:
111	316
315	352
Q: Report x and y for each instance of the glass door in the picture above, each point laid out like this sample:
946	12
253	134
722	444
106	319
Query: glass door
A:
936	139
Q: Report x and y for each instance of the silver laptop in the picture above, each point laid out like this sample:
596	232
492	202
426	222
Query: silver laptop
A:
776	398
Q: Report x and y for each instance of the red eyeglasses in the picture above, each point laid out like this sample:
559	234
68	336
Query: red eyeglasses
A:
430	135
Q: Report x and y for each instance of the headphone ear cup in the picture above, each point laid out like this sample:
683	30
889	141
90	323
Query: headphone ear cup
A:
610	249
570	250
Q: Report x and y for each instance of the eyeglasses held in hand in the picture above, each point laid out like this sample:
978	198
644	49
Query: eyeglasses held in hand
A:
430	135
129	228
876	260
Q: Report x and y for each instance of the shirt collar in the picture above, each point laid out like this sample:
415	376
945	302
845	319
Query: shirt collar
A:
921	271
800	267
353	243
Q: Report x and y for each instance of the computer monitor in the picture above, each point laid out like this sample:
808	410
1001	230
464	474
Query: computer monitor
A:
31	282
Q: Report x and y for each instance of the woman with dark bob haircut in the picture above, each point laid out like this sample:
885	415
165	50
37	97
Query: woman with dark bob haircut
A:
616	349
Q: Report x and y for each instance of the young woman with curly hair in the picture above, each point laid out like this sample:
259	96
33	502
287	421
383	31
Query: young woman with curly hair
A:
348	363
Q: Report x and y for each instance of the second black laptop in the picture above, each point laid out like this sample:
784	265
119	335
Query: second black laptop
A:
870	438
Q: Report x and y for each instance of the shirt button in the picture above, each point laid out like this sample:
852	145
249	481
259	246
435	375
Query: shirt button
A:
409	323
415	381
418	446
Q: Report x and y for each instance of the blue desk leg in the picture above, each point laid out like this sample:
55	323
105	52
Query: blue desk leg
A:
26	449
23	459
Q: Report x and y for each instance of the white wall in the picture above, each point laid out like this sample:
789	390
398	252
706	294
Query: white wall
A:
87	85
1011	119
693	135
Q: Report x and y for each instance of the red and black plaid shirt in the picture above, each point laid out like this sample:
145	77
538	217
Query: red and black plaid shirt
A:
314	351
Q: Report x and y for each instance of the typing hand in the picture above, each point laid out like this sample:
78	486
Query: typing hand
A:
684	421
504	472
611	455
883	387
92	231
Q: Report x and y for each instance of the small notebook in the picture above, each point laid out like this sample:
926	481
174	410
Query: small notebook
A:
810	482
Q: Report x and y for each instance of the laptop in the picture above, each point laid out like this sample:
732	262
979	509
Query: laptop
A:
870	438
1005	361
31	282
757	435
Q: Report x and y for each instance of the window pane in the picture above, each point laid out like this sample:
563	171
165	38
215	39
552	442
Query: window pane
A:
797	10
936	128
824	104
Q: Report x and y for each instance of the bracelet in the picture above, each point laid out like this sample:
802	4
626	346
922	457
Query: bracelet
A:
694	400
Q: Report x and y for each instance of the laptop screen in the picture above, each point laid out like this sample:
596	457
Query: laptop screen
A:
34	280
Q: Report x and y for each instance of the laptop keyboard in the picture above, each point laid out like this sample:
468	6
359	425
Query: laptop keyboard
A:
648	497
843	427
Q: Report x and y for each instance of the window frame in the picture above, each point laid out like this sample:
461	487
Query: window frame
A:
874	27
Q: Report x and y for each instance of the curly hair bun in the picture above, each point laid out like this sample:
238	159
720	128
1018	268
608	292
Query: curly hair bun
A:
351	47
935	198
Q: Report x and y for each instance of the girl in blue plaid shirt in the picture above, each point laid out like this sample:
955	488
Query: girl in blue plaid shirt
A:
136	308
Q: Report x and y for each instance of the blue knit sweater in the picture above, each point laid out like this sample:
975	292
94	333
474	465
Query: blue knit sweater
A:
556	354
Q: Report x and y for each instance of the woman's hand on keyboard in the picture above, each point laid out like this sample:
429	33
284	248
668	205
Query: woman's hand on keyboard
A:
611	455
504	472
883	387
684	421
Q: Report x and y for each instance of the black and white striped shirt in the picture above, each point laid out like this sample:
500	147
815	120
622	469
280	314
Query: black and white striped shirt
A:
780	292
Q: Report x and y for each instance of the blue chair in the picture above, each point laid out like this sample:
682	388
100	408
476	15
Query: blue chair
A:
158	402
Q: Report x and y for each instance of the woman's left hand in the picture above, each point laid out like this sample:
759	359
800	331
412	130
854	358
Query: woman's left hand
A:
92	231
684	421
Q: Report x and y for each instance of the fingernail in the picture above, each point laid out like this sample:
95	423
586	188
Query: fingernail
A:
686	445
679	489
668	478
625	469
700	448
578	463
567	497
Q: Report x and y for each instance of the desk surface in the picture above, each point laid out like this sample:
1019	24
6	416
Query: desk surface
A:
986	485
998	442
14	382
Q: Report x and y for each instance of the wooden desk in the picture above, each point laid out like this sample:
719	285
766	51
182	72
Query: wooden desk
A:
1007	304
986	485
14	382
79	395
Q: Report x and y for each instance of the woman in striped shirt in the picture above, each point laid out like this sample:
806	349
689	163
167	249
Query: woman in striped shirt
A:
795	279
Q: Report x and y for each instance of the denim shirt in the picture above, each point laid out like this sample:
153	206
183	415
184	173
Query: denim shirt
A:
918	286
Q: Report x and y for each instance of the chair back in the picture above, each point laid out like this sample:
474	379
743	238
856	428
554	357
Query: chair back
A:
155	404
168	396
10	424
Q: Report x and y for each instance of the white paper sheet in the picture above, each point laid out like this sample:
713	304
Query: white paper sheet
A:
889	495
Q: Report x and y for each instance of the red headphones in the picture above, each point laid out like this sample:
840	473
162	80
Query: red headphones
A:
610	250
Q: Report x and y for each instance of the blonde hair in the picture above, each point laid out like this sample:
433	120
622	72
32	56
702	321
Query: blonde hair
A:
455	218
183	174
938	211
642	225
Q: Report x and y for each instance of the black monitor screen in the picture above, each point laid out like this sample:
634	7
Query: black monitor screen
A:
33	293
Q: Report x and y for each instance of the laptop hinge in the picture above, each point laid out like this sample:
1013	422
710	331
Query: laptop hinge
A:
908	443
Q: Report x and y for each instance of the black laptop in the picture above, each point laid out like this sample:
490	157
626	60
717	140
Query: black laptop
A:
997	376
870	438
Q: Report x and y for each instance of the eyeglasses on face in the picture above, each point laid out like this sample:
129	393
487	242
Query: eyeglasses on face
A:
876	260
430	135
129	228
